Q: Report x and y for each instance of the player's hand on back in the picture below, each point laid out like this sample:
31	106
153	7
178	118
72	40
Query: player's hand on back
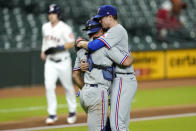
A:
79	39
83	44
84	65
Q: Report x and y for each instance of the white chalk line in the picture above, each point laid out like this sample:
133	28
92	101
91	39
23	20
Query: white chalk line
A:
34	108
164	117
85	124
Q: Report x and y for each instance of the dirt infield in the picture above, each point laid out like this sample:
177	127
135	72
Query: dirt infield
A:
40	91
81	118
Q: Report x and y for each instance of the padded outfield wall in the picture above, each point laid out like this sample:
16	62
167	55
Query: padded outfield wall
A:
26	68
151	65
22	67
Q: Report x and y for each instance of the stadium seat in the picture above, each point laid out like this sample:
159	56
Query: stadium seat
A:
22	20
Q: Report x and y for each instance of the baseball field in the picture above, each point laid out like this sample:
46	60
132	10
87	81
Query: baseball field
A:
158	105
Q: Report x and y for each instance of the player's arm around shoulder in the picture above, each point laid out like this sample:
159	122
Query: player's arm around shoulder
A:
120	56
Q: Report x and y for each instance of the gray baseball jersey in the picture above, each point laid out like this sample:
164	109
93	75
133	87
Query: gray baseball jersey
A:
101	57
81	55
117	37
94	99
124	85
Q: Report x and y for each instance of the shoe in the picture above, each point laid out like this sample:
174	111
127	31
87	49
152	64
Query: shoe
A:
71	118
51	120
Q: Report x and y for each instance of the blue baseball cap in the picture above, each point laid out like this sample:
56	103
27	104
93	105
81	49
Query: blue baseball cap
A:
53	8
92	26
106	10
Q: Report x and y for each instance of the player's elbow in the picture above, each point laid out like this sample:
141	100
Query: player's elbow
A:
126	63
129	61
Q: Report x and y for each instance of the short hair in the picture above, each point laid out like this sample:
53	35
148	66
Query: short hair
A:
115	17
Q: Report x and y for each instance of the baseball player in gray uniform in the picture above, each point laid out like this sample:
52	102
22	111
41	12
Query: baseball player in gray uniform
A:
94	94
124	84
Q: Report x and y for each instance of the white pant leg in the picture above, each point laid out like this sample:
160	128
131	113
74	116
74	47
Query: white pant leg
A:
50	75
65	76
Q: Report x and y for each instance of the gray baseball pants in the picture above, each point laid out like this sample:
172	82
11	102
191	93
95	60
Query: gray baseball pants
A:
122	93
94	101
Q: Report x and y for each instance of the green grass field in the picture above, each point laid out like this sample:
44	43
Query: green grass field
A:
23	107
172	124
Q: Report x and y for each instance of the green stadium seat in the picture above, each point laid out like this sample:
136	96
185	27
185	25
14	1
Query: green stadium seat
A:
22	21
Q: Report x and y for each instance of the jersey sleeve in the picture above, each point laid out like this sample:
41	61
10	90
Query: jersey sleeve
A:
79	57
95	45
112	37
44	45
68	35
117	55
77	64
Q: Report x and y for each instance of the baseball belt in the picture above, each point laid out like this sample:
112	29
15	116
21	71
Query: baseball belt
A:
57	60
92	85
121	73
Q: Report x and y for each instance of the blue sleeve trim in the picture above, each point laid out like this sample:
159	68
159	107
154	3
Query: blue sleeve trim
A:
60	47
107	44
123	60
95	45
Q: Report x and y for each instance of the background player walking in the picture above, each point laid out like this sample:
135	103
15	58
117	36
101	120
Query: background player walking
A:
57	39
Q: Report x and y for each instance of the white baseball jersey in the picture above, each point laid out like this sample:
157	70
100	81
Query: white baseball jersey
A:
56	36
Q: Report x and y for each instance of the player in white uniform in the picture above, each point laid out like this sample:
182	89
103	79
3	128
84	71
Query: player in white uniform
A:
57	39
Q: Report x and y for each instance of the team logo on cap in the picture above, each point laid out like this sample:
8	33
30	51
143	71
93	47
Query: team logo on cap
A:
89	27
51	8
98	11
